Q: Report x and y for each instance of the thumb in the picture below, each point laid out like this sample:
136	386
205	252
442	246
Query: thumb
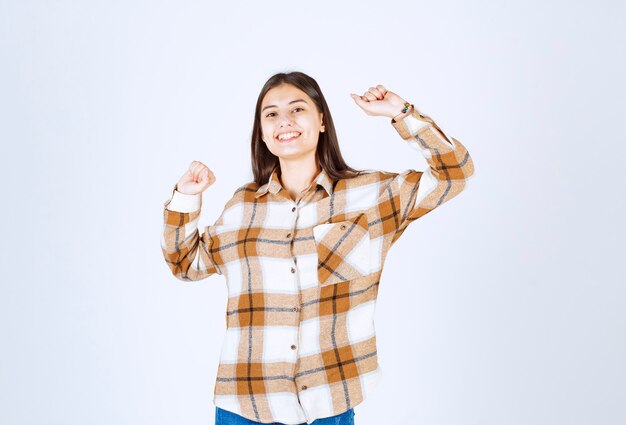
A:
358	100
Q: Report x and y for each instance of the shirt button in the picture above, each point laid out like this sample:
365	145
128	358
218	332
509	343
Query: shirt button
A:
288	235
293	347
293	270
293	209
295	309
343	227
304	387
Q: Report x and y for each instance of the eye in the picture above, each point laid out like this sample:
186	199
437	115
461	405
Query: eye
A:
302	109
268	115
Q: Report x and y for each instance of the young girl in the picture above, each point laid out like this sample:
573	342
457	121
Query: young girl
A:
302	248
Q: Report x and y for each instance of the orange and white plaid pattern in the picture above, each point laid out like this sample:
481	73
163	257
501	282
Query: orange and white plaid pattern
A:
303	276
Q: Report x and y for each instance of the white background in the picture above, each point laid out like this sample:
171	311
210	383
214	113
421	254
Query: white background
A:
507	305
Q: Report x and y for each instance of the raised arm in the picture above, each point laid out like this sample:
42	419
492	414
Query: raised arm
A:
186	252
411	194
450	167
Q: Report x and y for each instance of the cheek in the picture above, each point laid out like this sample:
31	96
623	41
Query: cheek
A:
312	123
266	133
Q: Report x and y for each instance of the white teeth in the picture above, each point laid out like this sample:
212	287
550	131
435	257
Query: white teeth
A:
288	135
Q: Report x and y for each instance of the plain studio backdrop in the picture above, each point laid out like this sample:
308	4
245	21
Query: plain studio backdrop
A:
506	305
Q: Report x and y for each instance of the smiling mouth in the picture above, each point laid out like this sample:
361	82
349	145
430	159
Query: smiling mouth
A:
288	137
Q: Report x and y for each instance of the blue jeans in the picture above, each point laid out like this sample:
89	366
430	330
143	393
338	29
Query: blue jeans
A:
225	417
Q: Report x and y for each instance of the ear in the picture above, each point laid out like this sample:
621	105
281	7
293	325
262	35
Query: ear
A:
323	127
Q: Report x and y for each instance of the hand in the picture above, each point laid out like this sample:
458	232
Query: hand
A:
379	101
196	180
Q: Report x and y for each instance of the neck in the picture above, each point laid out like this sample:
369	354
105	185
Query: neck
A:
297	176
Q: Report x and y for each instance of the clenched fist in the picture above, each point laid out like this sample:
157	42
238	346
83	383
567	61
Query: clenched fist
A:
196	180
379	101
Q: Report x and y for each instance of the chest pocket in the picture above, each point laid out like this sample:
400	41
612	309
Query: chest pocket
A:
343	250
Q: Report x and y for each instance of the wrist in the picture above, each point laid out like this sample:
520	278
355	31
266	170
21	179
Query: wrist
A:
403	111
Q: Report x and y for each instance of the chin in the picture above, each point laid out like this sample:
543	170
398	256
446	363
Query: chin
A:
289	155
290	151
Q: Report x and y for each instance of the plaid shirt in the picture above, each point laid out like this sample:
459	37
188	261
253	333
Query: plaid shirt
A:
303	276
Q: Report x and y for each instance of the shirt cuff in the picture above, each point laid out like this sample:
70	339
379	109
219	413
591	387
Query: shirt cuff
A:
184	203
410	123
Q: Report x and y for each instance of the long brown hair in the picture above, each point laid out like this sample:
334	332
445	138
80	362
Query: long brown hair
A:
328	154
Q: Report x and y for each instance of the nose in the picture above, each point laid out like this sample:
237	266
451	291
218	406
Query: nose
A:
284	120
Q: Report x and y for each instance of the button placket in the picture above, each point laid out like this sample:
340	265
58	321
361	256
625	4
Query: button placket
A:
294	226
295	309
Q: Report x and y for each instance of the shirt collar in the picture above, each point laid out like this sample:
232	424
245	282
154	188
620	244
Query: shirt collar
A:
273	184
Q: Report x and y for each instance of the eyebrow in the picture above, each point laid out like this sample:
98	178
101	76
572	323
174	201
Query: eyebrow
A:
293	101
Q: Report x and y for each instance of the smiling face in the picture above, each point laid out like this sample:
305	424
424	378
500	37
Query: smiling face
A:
290	123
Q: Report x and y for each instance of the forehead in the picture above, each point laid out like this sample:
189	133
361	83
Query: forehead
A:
284	94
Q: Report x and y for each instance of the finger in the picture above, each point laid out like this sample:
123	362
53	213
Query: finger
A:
359	100
193	175
382	89
190	172
376	93
210	176
198	168
204	171
369	96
